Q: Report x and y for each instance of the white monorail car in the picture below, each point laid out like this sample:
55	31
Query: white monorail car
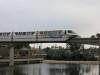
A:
57	35
5	36
24	36
37	36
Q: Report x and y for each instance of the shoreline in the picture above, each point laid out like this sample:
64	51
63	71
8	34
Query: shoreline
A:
39	60
69	62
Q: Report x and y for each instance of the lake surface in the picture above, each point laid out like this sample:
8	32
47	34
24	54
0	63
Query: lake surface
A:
52	69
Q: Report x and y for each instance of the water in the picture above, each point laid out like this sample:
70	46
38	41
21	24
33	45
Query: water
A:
52	69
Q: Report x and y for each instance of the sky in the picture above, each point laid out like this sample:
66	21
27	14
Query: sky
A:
81	16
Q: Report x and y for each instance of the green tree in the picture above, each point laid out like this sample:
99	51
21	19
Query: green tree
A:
93	36
98	35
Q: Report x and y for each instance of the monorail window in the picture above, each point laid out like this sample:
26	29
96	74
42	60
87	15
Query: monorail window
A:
28	33
8	34
24	33
70	31
16	33
59	32
65	32
45	33
0	34
32	33
41	33
20	33
4	34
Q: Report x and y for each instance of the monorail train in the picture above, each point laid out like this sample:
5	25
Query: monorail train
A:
5	36
56	35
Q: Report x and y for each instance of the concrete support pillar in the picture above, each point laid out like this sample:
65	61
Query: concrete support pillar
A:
10	70
11	57
11	63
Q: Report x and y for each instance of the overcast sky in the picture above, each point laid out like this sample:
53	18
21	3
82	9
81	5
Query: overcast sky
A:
83	16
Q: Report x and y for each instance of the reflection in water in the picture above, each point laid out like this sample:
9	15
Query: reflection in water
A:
52	69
